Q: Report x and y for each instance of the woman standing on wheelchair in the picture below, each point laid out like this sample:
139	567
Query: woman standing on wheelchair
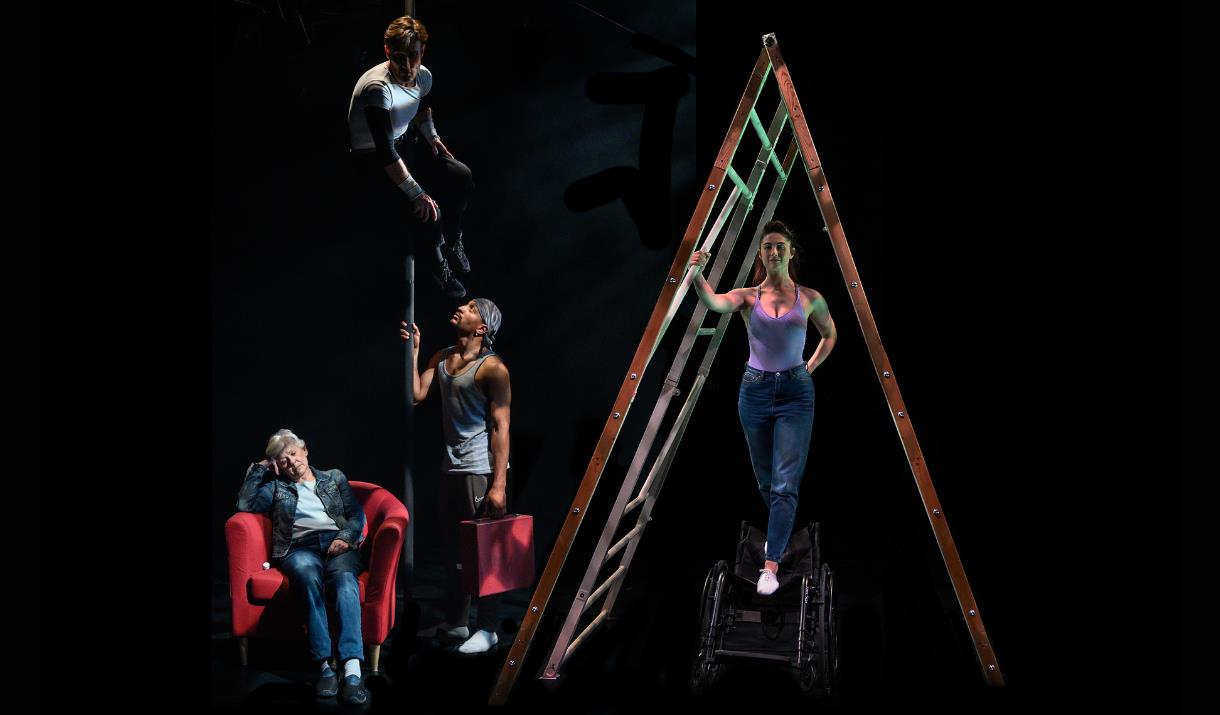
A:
775	403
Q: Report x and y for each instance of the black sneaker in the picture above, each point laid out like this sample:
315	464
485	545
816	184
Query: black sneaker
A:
328	685
458	253
450	286
353	690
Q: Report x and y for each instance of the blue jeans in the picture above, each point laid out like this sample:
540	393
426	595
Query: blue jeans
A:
308	569
776	411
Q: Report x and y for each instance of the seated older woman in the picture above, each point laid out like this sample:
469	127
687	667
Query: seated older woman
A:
316	526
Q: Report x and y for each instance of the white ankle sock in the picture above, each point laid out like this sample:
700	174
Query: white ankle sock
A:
481	642
458	632
351	667
326	669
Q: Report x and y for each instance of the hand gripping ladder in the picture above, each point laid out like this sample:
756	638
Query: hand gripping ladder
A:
739	203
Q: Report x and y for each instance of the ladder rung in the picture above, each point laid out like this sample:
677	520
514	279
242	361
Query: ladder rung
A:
580	638
783	175
741	185
756	122
618	573
768	147
642	495
625	540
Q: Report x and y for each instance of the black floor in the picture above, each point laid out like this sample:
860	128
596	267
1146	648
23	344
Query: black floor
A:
640	658
279	676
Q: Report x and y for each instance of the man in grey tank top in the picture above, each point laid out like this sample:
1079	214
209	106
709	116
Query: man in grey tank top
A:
475	402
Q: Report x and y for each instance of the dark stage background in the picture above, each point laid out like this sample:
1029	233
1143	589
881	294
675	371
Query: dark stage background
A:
978	188
292	255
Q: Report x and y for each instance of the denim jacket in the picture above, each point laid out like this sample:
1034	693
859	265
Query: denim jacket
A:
264	492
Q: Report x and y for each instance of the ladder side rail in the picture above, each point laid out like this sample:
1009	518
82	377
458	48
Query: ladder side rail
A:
885	374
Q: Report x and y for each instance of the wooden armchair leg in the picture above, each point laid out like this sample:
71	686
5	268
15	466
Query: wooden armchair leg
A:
243	649
374	658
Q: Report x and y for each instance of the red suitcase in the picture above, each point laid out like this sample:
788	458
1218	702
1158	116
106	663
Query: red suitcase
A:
497	554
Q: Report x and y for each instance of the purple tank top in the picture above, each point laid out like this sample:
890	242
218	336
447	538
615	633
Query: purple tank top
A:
776	344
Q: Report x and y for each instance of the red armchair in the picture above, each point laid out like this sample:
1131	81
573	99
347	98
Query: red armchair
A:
262	603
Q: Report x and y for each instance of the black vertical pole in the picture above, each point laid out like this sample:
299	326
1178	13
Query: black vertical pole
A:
408	478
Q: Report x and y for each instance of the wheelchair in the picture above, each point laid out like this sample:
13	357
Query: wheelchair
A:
795	628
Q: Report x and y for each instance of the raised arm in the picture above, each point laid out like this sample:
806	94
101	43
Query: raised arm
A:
819	315
258	487
422	383
717	302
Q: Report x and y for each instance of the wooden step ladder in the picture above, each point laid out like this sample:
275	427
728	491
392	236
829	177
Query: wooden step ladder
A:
738	205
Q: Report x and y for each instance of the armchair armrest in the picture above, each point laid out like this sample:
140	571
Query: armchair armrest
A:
248	537
384	553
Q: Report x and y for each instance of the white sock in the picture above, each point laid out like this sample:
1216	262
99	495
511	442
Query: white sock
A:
481	642
458	632
326	669
351	667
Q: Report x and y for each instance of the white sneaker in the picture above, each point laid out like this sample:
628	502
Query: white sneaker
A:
767	583
481	642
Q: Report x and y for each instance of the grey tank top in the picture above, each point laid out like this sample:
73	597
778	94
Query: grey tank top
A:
466	418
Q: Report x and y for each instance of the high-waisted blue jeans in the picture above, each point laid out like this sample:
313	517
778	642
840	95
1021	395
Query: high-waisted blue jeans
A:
776	411
309	569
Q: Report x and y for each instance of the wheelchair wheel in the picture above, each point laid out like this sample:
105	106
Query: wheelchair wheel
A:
705	672
832	638
809	681
815	676
704	675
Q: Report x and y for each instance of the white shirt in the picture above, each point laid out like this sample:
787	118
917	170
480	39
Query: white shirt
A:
311	515
377	88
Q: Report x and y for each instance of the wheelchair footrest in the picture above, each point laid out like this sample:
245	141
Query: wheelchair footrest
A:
754	655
